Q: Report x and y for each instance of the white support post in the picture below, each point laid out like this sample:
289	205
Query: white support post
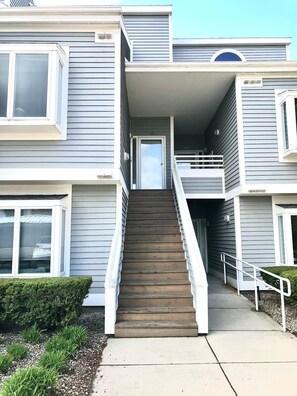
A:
283	305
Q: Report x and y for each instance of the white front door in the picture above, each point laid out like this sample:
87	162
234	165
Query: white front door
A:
148	162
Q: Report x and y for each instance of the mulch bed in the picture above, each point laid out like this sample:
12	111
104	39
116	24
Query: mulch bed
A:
78	378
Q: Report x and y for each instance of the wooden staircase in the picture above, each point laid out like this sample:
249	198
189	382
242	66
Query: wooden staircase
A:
155	294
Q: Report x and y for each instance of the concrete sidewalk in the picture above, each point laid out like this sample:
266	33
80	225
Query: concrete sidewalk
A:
245	353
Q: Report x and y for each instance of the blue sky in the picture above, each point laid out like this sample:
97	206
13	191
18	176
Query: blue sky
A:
232	18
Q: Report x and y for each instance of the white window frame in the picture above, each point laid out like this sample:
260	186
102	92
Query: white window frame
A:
286	214
57	207
288	97
38	128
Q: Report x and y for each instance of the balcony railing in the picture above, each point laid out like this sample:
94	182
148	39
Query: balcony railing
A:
202	176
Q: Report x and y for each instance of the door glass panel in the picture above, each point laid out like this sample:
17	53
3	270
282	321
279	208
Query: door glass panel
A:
4	61
151	164
282	256
6	240
35	241
134	168
294	237
31	75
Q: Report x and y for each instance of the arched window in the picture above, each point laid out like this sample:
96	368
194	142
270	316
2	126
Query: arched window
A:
227	55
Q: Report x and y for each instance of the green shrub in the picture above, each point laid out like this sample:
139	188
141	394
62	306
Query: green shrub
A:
48	302
5	363
17	351
77	334
55	360
58	343
31	335
32	381
285	271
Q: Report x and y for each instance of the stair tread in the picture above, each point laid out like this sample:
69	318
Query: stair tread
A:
154	282
155	295
156	310
155	271
156	324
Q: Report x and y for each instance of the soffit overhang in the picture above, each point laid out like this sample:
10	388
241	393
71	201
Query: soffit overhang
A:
191	92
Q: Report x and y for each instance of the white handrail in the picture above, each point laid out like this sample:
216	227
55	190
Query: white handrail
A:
194	260
112	280
200	161
258	280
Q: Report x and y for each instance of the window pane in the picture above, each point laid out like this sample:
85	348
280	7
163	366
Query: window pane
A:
294	237
281	237
35	241
31	75
228	57
6	240
285	126
4	61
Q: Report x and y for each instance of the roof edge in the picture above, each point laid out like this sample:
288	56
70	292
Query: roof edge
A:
233	41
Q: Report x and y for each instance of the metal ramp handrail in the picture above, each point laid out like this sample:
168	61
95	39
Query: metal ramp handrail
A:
259	280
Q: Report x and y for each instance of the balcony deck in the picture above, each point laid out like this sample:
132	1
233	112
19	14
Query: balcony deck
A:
202	176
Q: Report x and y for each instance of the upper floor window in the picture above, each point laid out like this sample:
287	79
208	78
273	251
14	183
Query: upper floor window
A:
287	124
227	55
33	91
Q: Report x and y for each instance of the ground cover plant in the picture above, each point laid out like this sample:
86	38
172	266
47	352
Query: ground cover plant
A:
17	351
31	335
75	373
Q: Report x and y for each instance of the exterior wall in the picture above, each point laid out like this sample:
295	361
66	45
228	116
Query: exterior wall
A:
155	127
90	135
226	143
202	185
199	53
92	230
260	134
125	120
220	235
257	236
150	37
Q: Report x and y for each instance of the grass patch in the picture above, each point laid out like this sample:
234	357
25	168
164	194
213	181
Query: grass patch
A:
55	360
17	351
31	335
58	343
32	381
77	334
5	363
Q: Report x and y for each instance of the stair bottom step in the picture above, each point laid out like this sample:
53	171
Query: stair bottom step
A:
138	329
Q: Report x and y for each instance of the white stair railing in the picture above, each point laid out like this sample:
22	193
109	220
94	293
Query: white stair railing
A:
237	264
195	265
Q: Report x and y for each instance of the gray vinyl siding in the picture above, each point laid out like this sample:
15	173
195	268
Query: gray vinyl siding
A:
202	185
149	36
257	237
155	127
90	135
92	230
125	120
220	235
226	143
260	134
199	53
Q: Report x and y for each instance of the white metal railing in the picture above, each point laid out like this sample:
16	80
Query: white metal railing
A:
194	260
258	280
112	280
200	161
